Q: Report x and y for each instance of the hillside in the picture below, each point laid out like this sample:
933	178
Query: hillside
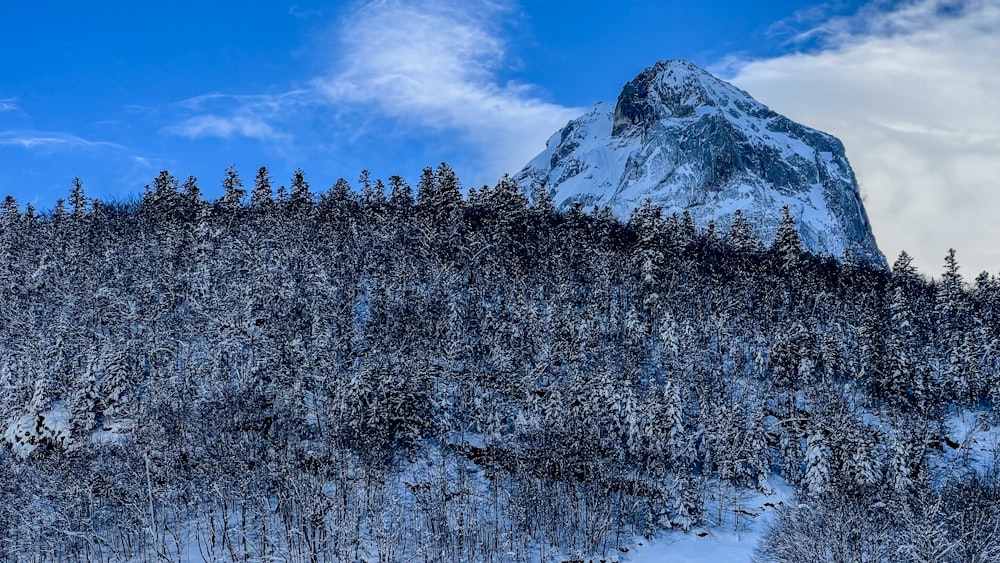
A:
373	374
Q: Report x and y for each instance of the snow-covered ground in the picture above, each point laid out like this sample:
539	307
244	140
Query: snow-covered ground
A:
977	438
716	544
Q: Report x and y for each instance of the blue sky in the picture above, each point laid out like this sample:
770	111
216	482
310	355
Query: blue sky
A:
114	92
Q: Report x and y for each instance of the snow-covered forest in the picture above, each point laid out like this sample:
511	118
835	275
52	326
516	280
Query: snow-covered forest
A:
380	373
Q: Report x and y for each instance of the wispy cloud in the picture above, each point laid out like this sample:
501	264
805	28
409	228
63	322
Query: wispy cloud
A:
47	160
9	104
304	13
432	67
223	126
49	139
438	68
227	116
911	90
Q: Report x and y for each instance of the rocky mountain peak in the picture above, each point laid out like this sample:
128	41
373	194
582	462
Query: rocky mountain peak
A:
687	140
668	89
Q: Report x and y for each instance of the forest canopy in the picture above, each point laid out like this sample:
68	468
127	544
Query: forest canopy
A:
381	373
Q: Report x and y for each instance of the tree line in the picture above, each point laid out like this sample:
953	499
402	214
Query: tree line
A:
379	373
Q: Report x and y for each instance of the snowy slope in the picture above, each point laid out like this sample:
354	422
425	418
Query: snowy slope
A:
688	141
734	541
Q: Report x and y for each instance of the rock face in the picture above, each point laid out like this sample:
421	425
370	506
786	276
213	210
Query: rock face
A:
689	141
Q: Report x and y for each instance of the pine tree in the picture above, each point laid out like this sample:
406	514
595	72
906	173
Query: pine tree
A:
542	206
817	476
300	199
191	197
10	214
400	195
83	403
688	231
58	216
904	274
672	418
951	293
233	192
78	202
792	351
340	192
950	309
647	223
860	459
372	193
759	453
899	467
688	505
161	200
439	197
787	244
900	347
262	197
741	237
510	209
117	386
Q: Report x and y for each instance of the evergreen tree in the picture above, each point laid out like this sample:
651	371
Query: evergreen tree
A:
262	197
649	261
161	200
950	294
78	202
400	194
339	204
10	214
904	274
511	211
233	192
58	217
787	244
439	198
817	476
950	308
542	206
741	237
191	196
480	384
372	193
300	199
900	367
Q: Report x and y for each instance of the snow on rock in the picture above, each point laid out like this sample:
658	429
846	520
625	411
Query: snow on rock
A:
686	140
114	431
46	428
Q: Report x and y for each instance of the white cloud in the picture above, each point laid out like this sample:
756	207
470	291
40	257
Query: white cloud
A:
223	126
304	13
425	65
913	93
50	139
226	116
435	64
8	104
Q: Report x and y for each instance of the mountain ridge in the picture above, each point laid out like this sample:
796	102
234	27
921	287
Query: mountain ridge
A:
688	141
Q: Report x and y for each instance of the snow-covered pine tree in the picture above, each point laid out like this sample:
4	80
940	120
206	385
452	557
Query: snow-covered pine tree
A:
787	245
262	196
741	237
232	191
817	477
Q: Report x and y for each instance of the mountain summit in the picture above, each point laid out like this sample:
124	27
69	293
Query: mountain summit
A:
686	140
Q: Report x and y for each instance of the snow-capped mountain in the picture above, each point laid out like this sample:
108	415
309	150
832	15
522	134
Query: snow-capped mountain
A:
689	141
